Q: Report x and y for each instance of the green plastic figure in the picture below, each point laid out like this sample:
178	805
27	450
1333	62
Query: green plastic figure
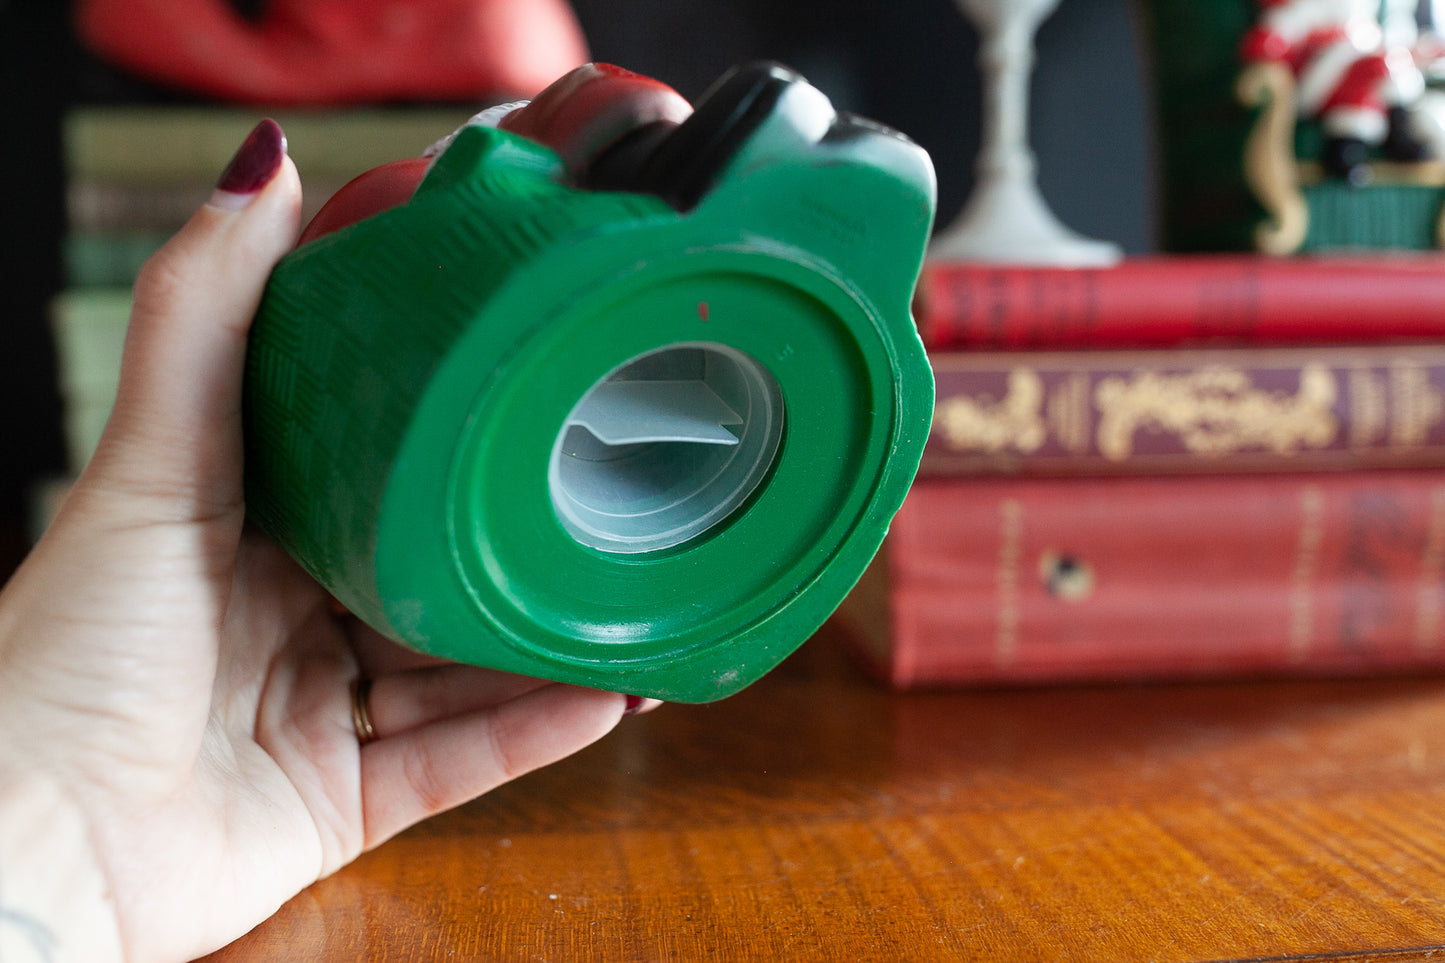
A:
635	418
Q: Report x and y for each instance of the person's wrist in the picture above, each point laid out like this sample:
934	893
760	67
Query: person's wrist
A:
55	901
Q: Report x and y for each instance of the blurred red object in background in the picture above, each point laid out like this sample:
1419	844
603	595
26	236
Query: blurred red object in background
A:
329	52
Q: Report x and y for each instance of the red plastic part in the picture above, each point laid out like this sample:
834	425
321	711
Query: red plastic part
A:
371	193
578	116
592	107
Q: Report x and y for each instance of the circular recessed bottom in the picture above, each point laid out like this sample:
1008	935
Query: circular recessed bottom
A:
665	447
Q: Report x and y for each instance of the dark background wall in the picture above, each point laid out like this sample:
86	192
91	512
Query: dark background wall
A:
912	64
908	63
34	82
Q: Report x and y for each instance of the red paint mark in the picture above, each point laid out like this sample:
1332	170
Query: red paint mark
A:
702	310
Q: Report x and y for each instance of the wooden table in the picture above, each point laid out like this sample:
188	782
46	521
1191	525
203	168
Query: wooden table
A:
818	817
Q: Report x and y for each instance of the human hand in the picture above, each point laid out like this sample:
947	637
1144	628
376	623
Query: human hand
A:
177	749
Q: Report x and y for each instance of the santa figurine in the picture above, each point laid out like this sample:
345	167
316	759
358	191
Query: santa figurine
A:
1355	72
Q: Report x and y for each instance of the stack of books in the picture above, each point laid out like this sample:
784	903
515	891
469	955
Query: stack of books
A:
1178	467
136	172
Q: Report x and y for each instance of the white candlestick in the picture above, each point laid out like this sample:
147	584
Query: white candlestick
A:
1006	218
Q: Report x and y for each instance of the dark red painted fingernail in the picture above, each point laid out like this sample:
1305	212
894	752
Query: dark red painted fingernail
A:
634	703
255	163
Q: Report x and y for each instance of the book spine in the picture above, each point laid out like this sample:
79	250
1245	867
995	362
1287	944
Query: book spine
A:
93	260
167	144
111	207
1189	410
89	328
114	228
120	207
1127	579
1166	301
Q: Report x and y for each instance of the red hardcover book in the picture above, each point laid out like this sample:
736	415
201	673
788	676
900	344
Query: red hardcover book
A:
1165	301
1049	580
1188	410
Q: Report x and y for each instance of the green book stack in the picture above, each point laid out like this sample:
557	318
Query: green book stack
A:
89	327
135	174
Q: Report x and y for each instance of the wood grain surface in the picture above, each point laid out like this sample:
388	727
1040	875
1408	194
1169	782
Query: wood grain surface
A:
816	816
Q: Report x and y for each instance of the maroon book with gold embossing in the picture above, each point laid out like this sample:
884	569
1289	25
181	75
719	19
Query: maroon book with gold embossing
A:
1188	410
1090	579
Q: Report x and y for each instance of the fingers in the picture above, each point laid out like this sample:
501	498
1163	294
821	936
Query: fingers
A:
406	778
403	701
637	706
175	431
399	702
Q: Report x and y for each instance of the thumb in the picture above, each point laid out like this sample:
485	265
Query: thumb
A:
174	435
